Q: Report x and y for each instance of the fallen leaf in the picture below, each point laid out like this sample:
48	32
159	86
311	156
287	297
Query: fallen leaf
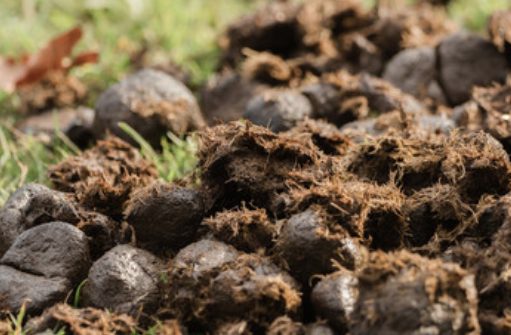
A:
9	74
84	58
55	56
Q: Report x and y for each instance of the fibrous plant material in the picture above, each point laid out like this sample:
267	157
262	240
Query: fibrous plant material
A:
324	37
493	279
102	231
55	90
436	214
211	288
239	327
311	244
490	218
436	297
363	93
86	321
490	264
191	271
364	211
104	177
378	159
242	162
255	289
325	136
488	110
269	69
319	328
274	28
245	229
286	326
475	164
423	126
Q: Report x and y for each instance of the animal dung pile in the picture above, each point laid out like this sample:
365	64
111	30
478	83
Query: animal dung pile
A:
366	190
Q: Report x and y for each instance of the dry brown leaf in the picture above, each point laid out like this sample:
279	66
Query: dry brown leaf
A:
28	69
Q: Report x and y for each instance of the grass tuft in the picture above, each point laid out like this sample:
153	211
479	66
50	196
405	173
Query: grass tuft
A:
177	158
76	298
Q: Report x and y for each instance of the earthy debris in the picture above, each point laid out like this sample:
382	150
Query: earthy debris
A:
312	244
436	297
55	90
152	103
103	232
273	28
38	292
278	110
191	272
489	111
242	162
225	95
475	163
334	299
51	250
326	102
364	93
228	286
286	326
82	321
414	71
490	218
498	29
104	177
240	289
247	230
32	205
165	215
325	136
42	267
436	213
364	211
237	291
125	279
463	50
